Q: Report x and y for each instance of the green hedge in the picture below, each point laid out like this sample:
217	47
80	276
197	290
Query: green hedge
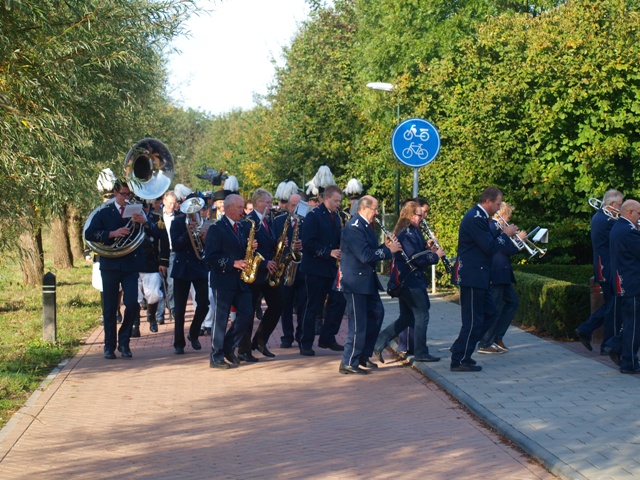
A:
552	307
578	274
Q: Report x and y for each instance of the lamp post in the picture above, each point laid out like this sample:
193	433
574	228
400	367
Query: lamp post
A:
389	87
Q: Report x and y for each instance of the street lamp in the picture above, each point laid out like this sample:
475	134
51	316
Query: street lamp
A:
389	87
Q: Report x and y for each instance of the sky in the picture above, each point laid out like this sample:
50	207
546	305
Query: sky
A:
227	57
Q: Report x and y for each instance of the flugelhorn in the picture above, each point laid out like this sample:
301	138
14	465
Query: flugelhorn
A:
608	210
522	243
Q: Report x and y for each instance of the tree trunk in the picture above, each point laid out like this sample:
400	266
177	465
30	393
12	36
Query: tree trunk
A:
31	257
60	241
75	227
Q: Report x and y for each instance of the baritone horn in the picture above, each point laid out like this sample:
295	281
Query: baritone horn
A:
196	225
148	170
608	210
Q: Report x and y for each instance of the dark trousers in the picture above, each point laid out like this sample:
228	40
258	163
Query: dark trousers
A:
111	282
181	295
223	340
506	301
605	315
414	312
630	332
365	314
273	297
477	308
289	305
312	297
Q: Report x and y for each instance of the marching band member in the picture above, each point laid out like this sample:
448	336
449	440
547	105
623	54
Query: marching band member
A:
413	299
225	252
321	239
169	206
359	283
601	226
265	235
625	265
106	225
289	293
187	270
477	244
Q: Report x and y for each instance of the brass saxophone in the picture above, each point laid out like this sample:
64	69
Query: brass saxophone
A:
274	279
294	257
248	275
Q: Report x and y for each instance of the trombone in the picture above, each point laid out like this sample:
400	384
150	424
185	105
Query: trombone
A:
608	210
522	243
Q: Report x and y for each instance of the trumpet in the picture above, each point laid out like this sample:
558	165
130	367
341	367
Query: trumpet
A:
393	238
522	243
426	230
608	210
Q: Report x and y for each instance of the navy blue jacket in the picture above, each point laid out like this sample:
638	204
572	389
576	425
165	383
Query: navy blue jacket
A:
477	243
412	242
186	265
625	258
320	235
222	248
601	226
106	220
266	244
501	271
156	247
360	253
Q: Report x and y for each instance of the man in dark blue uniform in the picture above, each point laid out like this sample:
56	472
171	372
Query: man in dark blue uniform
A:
187	270
601	224
225	252
625	264
477	244
107	225
260	288
358	281
321	239
290	292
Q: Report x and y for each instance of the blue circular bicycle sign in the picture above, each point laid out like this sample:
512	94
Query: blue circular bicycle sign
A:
415	142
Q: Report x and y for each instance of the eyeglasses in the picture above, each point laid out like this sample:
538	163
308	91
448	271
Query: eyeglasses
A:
125	194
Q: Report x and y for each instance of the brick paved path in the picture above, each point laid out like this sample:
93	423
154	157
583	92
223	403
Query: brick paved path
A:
165	416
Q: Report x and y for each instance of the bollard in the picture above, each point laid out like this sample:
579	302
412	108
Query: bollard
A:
49	307
597	300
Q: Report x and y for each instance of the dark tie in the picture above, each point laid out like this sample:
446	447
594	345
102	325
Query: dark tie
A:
264	222
371	226
121	210
295	222
332	217
235	228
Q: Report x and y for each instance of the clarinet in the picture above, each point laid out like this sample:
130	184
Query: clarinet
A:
429	234
393	238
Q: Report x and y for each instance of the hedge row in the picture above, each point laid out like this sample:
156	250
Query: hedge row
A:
553	307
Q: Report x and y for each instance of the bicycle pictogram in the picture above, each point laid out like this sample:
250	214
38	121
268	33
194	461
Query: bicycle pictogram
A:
408	152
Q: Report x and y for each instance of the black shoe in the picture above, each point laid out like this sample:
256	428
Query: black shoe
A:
153	326
465	367
368	363
109	355
232	358
613	355
125	352
247	357
427	358
202	333
632	372
378	355
471	361
584	340
307	352
178	350
348	369
286	344
221	364
207	331
135	331
195	343
119	316
160	322
263	350
336	347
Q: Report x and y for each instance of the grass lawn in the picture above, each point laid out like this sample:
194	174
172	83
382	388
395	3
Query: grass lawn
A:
25	359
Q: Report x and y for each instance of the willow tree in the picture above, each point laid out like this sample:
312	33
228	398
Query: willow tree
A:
74	77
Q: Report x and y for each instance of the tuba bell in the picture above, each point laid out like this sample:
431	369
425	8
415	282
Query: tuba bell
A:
148	170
